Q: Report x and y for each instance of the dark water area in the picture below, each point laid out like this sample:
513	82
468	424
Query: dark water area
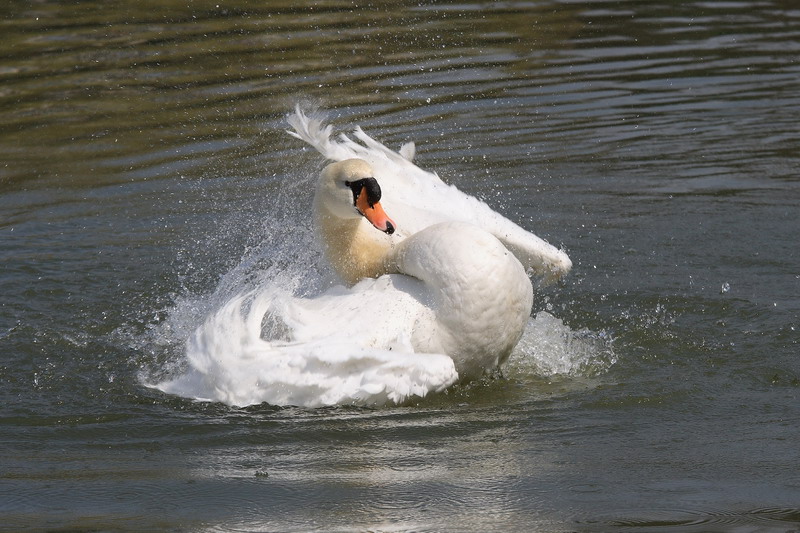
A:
145	173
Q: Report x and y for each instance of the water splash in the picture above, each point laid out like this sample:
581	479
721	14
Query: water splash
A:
233	345
242	355
550	348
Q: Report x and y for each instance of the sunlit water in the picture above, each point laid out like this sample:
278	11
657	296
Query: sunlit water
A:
146	179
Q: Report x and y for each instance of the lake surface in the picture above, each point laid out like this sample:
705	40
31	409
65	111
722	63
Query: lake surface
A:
145	176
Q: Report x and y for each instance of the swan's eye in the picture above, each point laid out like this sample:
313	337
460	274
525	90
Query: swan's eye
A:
368	186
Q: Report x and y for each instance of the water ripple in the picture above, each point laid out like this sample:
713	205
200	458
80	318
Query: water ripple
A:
142	157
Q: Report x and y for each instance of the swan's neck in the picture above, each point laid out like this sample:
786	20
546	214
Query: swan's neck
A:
354	248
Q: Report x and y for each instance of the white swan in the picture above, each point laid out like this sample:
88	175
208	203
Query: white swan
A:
439	292
377	213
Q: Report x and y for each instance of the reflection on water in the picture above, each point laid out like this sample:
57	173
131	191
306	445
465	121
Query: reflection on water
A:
143	162
401	473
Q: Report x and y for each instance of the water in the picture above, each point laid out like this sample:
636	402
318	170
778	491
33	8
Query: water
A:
144	172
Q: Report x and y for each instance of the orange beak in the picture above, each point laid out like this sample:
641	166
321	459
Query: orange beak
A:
374	213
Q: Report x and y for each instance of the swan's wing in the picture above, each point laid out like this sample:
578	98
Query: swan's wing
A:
416	198
408	150
229	360
313	131
380	312
397	167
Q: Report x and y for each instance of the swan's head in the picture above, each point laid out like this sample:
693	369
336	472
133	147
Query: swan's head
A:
348	189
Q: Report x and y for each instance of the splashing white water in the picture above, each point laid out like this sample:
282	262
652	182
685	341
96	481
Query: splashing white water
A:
549	348
242	355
